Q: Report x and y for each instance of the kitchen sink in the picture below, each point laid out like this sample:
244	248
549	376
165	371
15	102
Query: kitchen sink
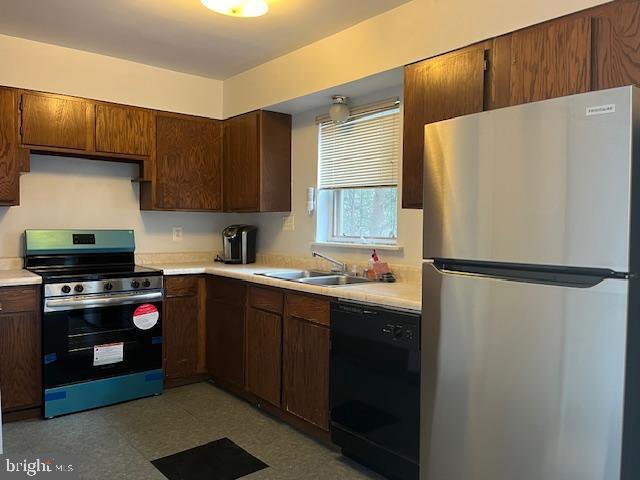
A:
294	275
333	280
315	277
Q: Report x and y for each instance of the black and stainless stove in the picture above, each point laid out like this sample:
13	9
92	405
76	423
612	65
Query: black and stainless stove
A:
102	318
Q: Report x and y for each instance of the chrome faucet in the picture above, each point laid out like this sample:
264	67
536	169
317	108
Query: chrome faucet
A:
340	267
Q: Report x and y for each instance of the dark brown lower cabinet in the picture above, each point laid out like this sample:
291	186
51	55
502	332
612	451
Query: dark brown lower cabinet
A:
226	299
266	345
20	348
181	327
264	355
306	368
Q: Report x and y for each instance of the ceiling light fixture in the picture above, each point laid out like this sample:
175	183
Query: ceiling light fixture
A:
238	8
339	111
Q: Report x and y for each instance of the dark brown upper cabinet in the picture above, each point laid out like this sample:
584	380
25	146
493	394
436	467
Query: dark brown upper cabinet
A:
551	60
544	61
436	89
55	121
257	162
59	123
124	130
9	168
616	55
188	163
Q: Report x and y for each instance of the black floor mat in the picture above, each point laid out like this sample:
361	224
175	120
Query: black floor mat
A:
219	460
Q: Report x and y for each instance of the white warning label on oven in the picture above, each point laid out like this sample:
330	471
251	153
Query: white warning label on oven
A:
145	316
108	353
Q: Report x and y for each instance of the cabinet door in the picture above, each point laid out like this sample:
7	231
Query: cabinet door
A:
53	121
226	330
124	130
9	169
242	163
188	158
551	60
264	354
20	351
617	45
181	336
225	343
306	371
275	162
436	89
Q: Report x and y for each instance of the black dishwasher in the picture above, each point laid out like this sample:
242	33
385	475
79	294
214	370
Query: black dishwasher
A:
375	387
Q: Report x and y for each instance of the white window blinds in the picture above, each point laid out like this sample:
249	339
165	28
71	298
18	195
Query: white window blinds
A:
363	152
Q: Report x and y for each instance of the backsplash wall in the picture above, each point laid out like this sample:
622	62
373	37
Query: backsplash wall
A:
62	192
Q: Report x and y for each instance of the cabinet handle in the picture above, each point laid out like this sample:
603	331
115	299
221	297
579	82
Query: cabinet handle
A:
0	307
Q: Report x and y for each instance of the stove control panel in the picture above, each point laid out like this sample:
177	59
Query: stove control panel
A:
112	285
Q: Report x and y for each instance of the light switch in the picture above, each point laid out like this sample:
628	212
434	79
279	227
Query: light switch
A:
177	234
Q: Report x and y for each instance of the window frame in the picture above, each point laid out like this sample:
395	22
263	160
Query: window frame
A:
332	212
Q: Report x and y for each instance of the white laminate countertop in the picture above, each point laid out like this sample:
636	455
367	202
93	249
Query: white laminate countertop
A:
11	278
400	294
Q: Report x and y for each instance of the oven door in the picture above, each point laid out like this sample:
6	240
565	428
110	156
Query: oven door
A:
98	336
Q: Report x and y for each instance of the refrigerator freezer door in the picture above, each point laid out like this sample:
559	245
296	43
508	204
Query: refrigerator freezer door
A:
543	183
521	381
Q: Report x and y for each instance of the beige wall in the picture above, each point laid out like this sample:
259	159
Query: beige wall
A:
50	68
413	31
77	193
304	173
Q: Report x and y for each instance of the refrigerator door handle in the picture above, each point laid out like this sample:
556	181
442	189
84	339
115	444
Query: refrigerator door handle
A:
576	277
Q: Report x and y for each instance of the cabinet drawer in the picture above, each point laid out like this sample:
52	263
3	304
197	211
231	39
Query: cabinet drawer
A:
312	309
18	299
266	299
181	286
227	291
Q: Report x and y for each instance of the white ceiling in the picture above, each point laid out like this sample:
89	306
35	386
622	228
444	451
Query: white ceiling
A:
183	35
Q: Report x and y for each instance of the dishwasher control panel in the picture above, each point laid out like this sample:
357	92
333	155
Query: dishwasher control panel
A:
398	331
396	327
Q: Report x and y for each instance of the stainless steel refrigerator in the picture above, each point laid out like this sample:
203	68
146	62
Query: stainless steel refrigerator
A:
531	301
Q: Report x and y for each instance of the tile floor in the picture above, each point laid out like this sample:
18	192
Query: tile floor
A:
118	442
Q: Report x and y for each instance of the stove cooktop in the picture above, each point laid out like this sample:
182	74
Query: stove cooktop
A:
92	272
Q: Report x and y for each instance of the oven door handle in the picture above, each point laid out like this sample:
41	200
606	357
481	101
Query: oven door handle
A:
74	303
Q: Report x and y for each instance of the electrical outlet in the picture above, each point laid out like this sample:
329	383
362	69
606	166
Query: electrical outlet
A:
177	234
288	223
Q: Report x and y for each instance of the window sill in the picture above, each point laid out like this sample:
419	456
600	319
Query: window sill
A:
361	246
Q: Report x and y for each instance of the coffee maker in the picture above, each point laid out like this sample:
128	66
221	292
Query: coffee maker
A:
239	244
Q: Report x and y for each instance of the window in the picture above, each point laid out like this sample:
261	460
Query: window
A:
358	177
